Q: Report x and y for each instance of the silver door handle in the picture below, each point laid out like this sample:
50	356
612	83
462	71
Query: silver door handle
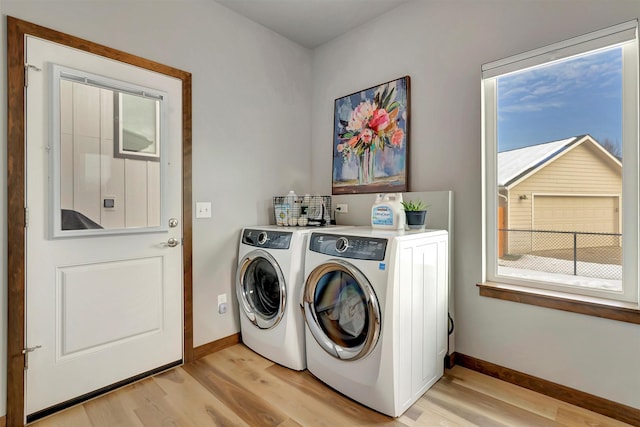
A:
30	349
172	242
26	352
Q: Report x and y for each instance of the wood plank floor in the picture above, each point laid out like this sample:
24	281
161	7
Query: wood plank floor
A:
236	387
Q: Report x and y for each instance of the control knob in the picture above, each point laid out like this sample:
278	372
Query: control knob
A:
263	237
342	244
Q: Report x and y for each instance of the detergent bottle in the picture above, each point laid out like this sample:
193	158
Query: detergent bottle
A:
387	212
293	208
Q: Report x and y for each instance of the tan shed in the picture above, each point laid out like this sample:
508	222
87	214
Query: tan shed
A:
571	185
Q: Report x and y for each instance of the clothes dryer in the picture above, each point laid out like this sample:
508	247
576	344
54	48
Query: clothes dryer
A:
269	281
375	309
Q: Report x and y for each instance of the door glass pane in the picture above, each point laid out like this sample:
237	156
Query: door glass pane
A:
341	309
262	288
106	168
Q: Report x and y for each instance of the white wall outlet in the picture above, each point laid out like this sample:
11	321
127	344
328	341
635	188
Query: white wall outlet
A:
203	210
222	303
342	208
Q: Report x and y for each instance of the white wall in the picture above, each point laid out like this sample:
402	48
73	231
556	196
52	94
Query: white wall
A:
251	122
441	45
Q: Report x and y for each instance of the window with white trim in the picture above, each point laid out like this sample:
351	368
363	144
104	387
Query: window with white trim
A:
560	166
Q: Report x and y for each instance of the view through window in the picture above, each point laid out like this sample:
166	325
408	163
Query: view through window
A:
560	171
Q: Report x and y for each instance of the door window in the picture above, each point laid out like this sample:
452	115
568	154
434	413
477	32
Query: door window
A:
261	289
341	310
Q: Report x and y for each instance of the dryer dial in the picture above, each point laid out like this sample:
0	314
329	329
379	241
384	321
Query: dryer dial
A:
263	237
342	244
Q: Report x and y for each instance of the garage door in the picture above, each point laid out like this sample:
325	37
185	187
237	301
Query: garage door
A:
574	213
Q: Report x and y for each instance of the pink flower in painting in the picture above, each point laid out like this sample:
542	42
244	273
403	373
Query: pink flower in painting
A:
360	115
379	120
366	136
397	137
368	122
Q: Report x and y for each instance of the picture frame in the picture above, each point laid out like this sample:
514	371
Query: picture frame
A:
136	127
371	140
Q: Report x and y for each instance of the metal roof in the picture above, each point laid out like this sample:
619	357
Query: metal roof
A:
513	164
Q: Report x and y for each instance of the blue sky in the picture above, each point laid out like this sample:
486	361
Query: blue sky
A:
569	98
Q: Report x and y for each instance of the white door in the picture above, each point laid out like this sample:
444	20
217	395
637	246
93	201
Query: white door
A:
102	304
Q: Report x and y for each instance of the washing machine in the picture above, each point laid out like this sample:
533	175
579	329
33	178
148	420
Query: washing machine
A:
375	310
269	281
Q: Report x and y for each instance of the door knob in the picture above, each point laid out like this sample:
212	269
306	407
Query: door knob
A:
172	242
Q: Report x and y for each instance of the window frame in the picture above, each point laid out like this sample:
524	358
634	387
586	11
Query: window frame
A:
626	36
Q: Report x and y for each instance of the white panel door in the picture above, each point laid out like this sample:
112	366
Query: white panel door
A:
102	308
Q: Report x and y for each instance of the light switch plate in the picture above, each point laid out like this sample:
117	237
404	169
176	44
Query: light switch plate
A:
203	210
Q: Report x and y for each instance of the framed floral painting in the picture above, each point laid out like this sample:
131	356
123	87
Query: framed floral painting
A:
370	140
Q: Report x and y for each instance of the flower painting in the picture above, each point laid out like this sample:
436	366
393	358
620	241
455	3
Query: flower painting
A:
370	139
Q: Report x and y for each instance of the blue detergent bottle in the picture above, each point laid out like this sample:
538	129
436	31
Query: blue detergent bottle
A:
387	212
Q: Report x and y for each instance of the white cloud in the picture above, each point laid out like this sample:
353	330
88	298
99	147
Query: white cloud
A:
523	91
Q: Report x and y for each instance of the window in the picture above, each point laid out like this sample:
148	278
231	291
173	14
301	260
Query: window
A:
560	157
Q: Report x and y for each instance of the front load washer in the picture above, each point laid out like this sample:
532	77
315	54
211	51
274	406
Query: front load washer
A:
375	309
269	282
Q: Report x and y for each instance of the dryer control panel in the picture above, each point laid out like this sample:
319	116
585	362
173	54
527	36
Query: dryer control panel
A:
267	239
355	247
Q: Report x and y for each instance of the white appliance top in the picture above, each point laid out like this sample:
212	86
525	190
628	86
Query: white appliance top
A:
366	231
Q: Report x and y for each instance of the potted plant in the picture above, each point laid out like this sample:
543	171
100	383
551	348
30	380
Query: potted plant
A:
415	213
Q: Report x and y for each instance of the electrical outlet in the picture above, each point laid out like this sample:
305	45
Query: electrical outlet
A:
342	208
222	303
222	298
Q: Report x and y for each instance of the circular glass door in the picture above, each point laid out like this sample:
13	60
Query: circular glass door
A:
341	310
261	289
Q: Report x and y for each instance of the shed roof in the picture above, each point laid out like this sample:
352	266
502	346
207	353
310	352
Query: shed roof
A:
515	164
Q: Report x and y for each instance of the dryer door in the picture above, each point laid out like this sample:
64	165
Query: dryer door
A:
342	310
261	289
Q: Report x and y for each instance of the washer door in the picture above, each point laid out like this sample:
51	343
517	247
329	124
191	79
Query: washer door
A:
261	289
342	310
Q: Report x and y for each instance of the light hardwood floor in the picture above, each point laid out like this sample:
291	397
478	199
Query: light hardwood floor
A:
236	387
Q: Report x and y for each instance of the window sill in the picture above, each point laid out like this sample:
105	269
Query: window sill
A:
614	310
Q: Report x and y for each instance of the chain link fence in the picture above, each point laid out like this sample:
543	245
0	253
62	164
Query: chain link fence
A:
597	255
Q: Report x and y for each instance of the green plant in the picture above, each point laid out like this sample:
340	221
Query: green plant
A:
411	205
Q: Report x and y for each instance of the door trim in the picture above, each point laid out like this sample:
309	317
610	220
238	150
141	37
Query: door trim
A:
17	30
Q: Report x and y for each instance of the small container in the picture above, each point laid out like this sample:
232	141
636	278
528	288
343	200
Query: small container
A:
282	215
387	212
291	200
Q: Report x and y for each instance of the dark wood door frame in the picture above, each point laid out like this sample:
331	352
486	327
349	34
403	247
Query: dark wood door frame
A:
17	30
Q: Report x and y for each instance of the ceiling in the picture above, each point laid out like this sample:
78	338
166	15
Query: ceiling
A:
311	23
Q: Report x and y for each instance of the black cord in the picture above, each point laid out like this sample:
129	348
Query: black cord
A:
452	325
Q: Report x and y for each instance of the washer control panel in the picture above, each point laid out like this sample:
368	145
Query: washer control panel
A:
355	247
267	239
